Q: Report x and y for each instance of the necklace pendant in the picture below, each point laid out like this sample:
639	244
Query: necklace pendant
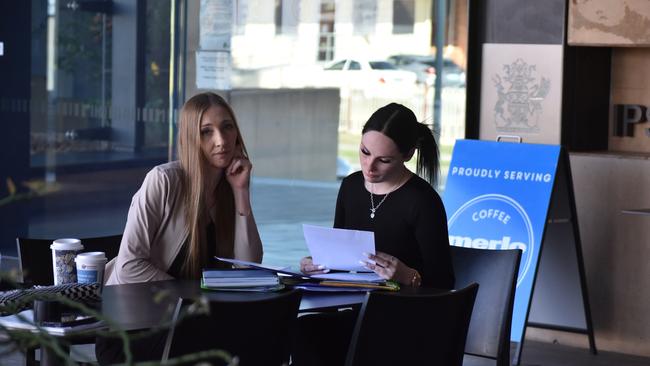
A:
372	215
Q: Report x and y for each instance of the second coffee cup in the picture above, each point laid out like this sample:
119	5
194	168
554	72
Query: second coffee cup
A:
90	267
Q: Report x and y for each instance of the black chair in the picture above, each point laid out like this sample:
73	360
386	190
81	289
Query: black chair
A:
257	331
400	329
488	338
35	256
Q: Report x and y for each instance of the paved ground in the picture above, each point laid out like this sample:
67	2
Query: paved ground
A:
281	207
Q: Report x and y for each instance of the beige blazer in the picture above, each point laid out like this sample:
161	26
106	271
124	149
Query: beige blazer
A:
155	231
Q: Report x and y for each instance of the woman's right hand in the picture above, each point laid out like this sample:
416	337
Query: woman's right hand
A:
308	267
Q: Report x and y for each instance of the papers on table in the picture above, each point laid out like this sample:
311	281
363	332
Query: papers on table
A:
349	276
328	282
335	276
336	249
239	278
277	269
345	286
339	249
24	321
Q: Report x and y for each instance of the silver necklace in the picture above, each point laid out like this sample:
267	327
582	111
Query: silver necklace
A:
374	208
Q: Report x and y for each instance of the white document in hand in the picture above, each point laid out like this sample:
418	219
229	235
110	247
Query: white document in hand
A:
339	249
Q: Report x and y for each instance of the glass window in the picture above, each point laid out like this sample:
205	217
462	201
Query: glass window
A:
365	16
403	16
278	16
89	130
392	49
287	14
155	111
240	16
84	131
382	65
326	30
337	65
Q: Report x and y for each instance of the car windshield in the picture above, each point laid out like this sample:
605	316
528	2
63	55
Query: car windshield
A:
427	60
336	66
382	65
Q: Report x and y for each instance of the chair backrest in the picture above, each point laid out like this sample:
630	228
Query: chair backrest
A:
35	256
257	331
405	329
496	272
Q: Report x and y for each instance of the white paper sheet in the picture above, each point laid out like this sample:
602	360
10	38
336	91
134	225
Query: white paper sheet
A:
276	269
339	249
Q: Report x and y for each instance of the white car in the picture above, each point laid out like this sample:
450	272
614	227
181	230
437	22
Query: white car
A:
424	67
373	78
343	168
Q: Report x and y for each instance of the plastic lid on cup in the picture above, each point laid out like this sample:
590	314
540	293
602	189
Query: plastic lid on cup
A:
67	244
91	257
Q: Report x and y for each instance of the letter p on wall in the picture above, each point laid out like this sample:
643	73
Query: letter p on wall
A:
625	115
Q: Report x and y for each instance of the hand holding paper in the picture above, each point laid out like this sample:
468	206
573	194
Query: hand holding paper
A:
339	249
308	267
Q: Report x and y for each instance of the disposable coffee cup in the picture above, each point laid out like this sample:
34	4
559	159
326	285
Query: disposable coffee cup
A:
90	267
64	252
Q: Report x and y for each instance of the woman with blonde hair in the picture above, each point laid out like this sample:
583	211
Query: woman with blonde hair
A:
190	210
186	212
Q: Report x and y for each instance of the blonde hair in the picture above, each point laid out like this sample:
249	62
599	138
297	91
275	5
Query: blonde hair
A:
194	167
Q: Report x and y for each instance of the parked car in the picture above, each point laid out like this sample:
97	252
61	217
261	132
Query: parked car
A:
343	168
424	67
374	78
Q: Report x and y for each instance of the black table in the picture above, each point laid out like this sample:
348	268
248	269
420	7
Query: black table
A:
144	305
141	306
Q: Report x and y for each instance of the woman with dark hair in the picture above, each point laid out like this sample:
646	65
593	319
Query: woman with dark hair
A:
403	210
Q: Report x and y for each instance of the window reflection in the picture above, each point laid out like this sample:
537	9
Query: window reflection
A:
373	52
304	76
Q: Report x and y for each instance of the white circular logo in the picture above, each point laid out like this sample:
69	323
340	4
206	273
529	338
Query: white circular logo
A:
494	221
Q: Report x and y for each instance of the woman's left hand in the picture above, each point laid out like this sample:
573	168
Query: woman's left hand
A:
238	173
387	266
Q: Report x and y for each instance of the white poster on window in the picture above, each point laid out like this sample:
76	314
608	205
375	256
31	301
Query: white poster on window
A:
290	16
213	70
215	24
364	16
521	92
240	16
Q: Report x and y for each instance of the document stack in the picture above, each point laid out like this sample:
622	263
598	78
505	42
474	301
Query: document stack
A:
335	281
346	281
240	279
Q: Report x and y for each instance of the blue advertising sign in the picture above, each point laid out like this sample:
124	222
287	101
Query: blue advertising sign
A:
497	197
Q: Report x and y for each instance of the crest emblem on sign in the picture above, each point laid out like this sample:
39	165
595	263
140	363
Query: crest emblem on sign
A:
520	96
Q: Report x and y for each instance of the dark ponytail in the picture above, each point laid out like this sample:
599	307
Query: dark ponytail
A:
400	124
428	162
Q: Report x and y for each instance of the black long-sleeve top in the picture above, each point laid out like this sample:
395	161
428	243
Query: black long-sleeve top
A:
411	225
